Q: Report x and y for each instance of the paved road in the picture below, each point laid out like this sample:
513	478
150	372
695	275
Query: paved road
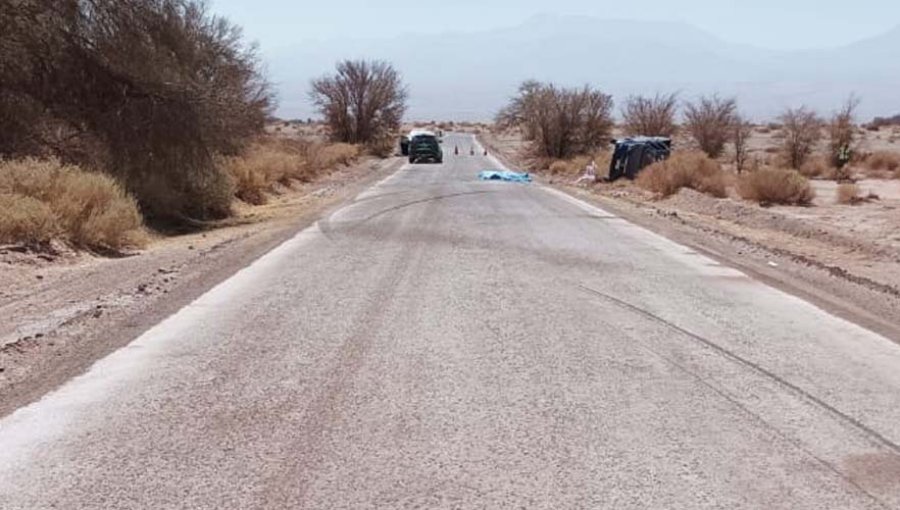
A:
448	343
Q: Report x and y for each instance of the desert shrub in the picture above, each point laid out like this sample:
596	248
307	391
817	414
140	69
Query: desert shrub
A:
815	167
26	220
651	116
849	194
885	163
47	199
741	131
772	185
842	133
362	103
559	123
383	148
693	170
149	91
710	122
560	167
801	131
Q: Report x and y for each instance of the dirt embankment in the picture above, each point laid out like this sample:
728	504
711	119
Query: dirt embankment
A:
844	258
61	312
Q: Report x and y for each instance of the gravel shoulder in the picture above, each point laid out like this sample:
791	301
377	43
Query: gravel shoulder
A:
845	259
62	312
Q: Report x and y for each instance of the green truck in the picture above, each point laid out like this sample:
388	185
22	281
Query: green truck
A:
424	146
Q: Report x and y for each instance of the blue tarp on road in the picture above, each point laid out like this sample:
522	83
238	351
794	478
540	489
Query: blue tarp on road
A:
504	175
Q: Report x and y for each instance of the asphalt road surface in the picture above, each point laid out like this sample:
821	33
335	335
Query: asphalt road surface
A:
448	343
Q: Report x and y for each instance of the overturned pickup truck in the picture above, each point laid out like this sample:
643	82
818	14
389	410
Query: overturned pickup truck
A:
632	155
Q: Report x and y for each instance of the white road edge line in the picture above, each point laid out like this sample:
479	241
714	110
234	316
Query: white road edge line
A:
701	262
52	412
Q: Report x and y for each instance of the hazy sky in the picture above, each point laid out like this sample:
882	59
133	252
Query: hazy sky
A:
768	23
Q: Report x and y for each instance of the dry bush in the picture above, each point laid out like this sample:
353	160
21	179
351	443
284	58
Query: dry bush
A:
772	185
842	133
559	123
44	199
710	121
693	170
883	164
651	116
741	132
849	194
815	167
362	103
26	220
802	130
151	91
560	167
843	174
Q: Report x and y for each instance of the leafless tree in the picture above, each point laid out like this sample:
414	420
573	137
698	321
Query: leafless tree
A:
651	116
802	129
559	122
741	130
710	121
363	102
148	90
842	132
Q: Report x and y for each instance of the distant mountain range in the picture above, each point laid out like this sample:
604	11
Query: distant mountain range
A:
469	76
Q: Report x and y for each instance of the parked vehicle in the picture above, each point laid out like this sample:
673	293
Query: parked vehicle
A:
425	147
632	155
405	139
404	145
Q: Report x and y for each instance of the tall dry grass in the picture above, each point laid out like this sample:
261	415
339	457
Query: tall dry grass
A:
772	185
576	166
44	200
694	170
270	162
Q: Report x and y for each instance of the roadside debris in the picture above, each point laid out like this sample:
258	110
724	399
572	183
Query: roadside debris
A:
504	175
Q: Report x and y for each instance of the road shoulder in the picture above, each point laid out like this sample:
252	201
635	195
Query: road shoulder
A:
62	314
838	290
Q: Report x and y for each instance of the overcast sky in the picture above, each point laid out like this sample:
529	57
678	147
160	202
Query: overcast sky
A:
784	24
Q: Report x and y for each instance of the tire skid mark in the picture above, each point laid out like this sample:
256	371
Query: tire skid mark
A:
417	202
294	483
762	421
325	224
874	435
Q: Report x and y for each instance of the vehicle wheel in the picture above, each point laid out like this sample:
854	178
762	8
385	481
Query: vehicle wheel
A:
440	161
412	161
